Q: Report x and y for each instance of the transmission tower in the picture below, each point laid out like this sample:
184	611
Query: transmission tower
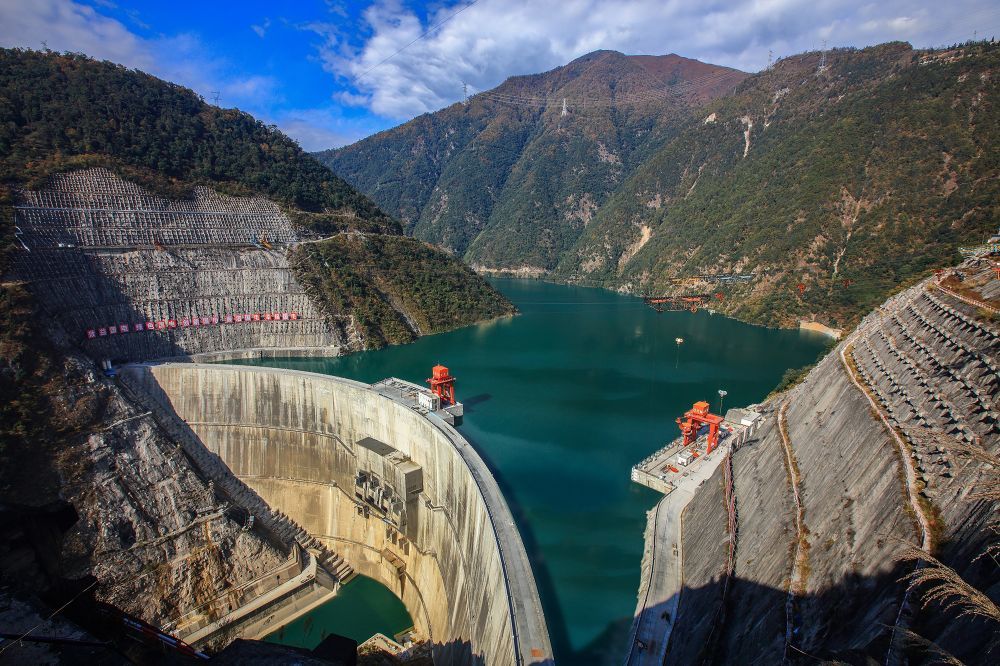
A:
565	112
770	58
822	58
216	96
465	92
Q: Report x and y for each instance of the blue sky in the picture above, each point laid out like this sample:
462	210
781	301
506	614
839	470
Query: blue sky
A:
328	72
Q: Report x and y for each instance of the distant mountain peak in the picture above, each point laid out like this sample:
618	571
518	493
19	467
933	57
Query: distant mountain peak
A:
548	147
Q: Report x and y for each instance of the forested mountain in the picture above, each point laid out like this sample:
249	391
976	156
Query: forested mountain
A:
849	179
60	112
510	179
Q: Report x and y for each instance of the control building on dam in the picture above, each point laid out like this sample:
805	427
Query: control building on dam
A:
342	476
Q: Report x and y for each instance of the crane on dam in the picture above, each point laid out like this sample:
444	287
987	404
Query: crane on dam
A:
696	417
442	384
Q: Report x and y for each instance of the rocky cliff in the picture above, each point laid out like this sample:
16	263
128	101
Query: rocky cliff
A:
878	459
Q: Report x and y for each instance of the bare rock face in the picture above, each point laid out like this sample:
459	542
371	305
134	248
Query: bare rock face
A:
884	446
155	535
130	276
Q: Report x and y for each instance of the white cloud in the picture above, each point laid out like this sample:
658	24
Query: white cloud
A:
261	29
487	42
66	26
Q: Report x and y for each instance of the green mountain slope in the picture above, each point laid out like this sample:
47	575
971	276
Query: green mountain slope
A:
61	112
508	180
849	181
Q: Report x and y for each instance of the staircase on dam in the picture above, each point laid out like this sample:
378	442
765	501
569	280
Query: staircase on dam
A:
131	276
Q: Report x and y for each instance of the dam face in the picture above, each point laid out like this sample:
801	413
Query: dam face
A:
399	493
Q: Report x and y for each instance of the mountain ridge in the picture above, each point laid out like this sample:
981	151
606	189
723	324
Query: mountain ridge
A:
469	167
808	169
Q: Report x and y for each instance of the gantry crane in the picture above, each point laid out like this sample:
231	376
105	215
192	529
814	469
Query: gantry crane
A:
442	384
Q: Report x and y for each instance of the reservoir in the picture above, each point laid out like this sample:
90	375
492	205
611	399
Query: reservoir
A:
561	401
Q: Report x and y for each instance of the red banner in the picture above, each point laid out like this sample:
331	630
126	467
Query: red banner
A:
123	327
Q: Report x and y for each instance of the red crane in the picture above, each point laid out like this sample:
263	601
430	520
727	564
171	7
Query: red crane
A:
442	384
696	417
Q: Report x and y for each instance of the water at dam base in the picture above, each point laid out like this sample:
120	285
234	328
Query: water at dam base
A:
561	401
362	608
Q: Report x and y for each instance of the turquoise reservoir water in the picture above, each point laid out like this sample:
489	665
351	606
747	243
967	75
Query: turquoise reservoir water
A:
361	609
561	401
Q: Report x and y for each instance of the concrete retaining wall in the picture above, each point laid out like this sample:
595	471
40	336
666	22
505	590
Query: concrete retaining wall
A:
101	255
456	562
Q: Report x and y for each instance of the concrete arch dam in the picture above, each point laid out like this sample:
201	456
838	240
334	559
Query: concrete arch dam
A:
398	492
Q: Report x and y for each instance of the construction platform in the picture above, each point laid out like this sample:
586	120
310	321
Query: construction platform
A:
667	467
420	399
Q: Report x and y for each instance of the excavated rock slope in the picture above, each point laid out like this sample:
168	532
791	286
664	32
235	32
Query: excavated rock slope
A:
130	276
928	362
